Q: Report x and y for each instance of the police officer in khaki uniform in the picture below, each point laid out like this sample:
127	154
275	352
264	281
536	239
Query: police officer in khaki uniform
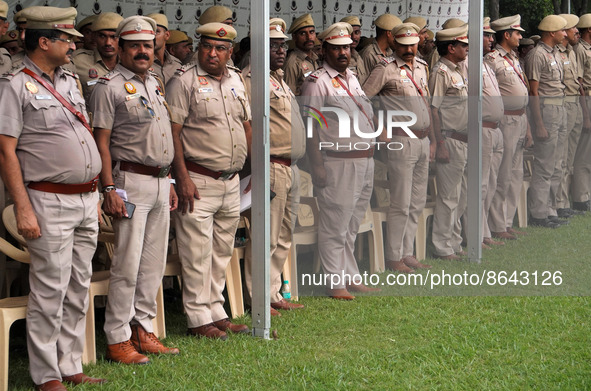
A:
581	182
302	60
179	46
215	14
5	61
21	24
356	64
212	133
96	63
342	175
165	64
576	114
287	145
421	23
50	164
401	82
135	141
449	88
448	24
544	69
85	28
4	23
382	46
514	125
10	42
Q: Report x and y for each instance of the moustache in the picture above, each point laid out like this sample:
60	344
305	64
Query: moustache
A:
69	52
142	56
340	58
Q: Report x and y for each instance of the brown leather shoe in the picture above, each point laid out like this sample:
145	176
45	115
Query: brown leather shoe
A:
52	385
503	235
412	262
361	288
207	331
286	305
274	312
81	378
226	325
145	342
450	257
340	294
491	242
398	266
516	232
125	353
485	246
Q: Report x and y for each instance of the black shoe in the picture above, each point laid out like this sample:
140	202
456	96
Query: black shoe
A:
557	220
585	206
571	212
564	213
545	223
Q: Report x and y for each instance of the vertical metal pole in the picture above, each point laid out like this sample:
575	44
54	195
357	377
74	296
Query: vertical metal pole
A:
474	208
261	317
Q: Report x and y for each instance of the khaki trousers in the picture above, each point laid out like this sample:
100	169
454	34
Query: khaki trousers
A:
139	257
342	205
450	204
59	277
492	156
574	125
547	167
284	181
408	173
510	177
206	240
581	182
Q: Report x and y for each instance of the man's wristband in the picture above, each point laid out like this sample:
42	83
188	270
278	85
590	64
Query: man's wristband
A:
108	188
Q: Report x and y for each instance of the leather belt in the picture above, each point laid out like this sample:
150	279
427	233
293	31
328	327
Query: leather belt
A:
351	154
491	125
419	133
199	169
515	112
555	101
463	137
281	160
571	98
137	168
65	188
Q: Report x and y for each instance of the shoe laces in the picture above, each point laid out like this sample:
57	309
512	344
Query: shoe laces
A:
127	347
152	337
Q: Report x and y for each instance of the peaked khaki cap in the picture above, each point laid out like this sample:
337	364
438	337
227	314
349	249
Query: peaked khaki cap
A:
218	31
430	35
387	21
337	34
406	33
526	42
584	21
52	18
3	9
160	19
418	20
352	20
507	23
85	22
571	20
277	28
301	22
453	34
10	36
177	36
107	21
535	38
137	28
19	18
216	13
452	23
552	23
486	26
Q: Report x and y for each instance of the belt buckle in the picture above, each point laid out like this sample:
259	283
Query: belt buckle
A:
225	175
163	171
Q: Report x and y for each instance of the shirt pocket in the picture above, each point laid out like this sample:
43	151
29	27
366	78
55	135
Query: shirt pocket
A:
45	112
138	113
208	105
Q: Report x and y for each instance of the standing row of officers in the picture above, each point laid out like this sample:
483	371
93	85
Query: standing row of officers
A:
154	141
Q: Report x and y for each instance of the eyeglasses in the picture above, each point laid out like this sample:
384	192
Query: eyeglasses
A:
145	103
68	41
218	48
276	46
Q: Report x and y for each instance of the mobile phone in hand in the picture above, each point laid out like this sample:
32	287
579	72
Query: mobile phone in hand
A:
130	208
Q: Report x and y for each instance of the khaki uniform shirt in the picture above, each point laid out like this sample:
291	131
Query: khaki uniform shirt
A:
583	53
449	89
287	134
321	89
18	58
167	70
297	67
140	131
511	79
544	64
212	113
394	78
5	61
89	67
372	56
571	70
53	145
357	66
492	104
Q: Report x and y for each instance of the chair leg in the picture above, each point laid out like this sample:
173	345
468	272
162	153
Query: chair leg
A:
234	285
293	263
379	264
89	352
159	322
4	340
522	205
421	237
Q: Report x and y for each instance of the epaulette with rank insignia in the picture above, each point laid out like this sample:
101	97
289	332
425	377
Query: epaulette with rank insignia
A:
442	68
387	60
185	68
12	72
235	69
316	74
492	54
421	61
70	73
105	79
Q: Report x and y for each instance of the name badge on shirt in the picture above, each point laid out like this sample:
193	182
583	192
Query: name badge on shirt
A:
553	63
132	96
43	97
205	89
405	80
307	74
566	62
91	82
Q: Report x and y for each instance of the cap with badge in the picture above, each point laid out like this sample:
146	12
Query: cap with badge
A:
552	23
3	10
177	36
486	28
107	21
137	28
215	14
584	21
387	22
51	18
277	28
301	22
352	20
453	23
526	42
86	21
10	36
419	21
571	20
337	34
453	34
507	23
406	33
217	31
160	19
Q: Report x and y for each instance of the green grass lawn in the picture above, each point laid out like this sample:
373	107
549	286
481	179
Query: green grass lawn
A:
513	338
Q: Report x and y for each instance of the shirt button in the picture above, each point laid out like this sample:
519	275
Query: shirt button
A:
88	166
82	142
228	113
163	135
158	118
234	146
225	97
165	151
